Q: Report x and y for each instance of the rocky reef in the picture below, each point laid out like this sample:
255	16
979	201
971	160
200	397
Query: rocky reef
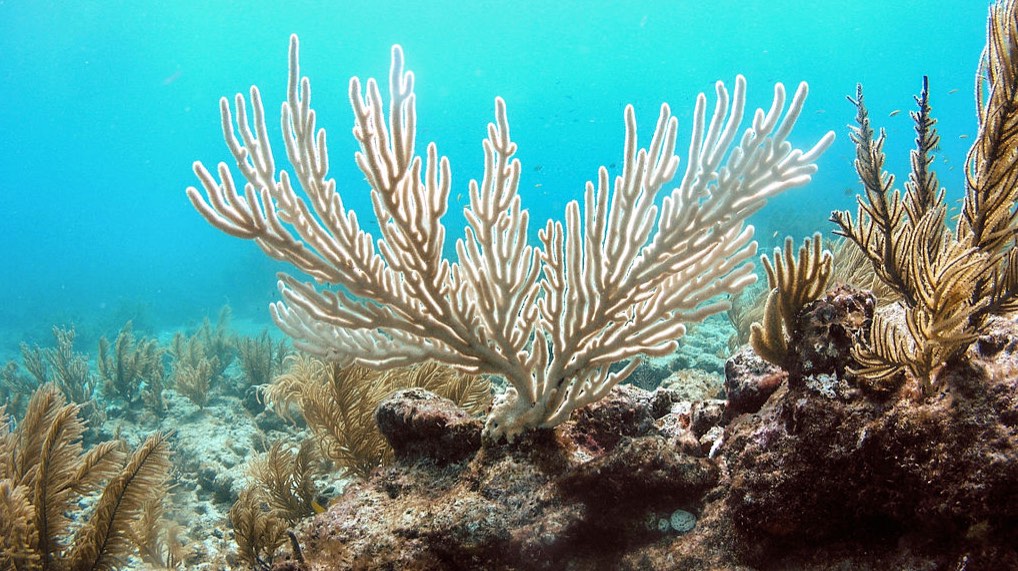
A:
809	469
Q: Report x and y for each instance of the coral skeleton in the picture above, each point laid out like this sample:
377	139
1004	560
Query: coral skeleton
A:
630	266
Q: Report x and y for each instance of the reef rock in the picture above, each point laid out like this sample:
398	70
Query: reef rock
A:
828	473
419	424
749	382
587	495
819	473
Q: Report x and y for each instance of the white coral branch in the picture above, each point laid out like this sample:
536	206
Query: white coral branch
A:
619	279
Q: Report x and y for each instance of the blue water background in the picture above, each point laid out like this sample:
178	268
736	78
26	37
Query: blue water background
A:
105	105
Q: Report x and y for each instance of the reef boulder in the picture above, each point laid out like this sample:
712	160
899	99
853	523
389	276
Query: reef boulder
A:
828	471
591	493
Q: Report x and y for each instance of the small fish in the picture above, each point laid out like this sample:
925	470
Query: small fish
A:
538	185
952	91
537	168
171	78
893	113
317	507
821	111
775	234
849	191
459	197
963	136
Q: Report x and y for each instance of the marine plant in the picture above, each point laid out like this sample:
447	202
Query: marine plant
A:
44	474
620	278
949	282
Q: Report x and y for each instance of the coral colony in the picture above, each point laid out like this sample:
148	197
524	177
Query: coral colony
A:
621	278
492	403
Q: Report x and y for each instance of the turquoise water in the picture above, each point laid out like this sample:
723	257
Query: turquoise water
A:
105	105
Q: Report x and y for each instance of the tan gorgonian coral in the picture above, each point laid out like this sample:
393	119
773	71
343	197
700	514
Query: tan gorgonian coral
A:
989	220
194	380
68	370
261	358
912	252
338	403
886	226
747	308
470	392
793	283
45	473
258	531
218	344
948	283
852	267
936	330
159	540
128	366
17	527
102	541
286	479
214	345
198	361
15	388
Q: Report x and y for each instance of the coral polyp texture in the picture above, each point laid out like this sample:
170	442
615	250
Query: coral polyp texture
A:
618	279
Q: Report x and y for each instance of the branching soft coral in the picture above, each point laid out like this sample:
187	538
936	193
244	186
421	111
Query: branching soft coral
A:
44	473
949	283
629	266
793	283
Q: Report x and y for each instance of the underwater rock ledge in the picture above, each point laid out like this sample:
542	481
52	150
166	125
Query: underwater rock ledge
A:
829	473
825	474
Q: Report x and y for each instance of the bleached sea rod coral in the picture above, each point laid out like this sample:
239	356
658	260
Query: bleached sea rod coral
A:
630	266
